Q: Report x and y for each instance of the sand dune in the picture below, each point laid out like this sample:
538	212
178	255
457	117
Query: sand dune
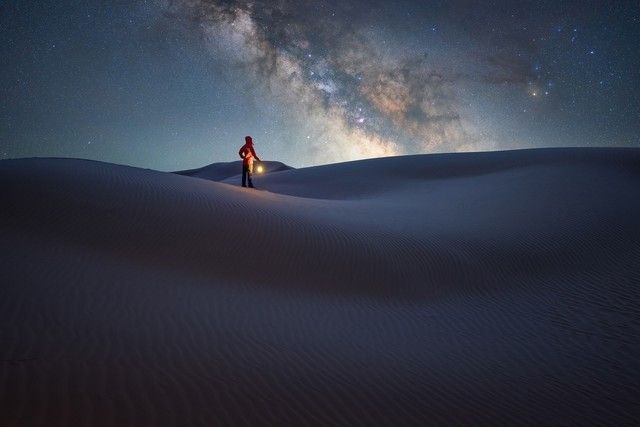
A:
458	289
230	170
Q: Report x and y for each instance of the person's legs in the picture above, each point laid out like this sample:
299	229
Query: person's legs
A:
244	175
250	174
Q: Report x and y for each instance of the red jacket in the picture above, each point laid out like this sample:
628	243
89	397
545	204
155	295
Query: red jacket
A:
247	153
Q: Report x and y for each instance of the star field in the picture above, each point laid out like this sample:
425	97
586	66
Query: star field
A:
177	84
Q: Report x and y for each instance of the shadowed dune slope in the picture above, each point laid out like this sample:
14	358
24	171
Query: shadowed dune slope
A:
481	288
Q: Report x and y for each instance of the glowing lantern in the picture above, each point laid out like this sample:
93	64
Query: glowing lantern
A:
260	169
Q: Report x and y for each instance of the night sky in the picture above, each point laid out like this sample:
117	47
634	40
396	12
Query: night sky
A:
178	84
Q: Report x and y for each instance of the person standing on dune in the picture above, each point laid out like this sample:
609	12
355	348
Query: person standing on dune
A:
248	154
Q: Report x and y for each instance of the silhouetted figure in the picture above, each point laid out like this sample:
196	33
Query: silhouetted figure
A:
248	154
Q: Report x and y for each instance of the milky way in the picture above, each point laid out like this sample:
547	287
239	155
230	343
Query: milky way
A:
355	98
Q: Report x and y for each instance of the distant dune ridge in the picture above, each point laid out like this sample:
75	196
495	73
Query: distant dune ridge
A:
498	288
228	170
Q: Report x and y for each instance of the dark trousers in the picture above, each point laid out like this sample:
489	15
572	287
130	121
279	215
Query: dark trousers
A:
246	172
